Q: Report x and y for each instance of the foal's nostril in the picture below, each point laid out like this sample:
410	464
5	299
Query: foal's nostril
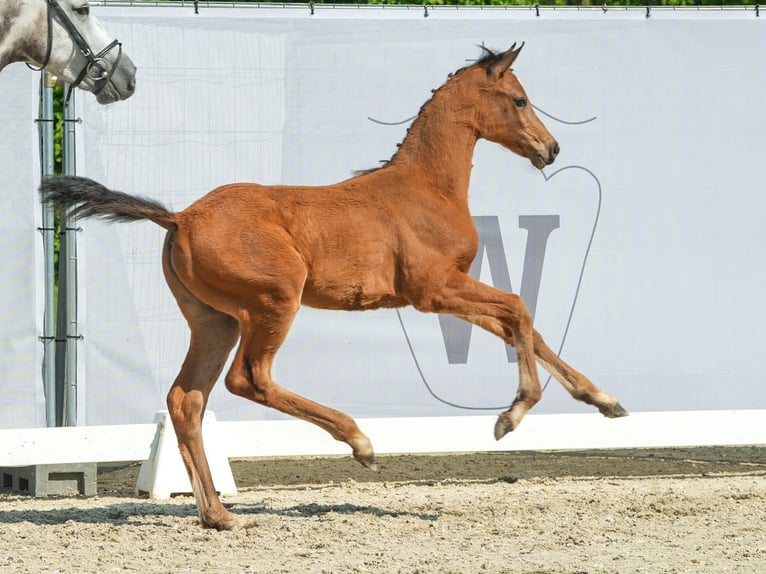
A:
555	150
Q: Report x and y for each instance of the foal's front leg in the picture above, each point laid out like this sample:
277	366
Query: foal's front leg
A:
577	384
503	314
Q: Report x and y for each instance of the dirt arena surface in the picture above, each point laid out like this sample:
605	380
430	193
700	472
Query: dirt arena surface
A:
700	510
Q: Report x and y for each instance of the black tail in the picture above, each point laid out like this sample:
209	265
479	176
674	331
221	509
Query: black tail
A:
83	197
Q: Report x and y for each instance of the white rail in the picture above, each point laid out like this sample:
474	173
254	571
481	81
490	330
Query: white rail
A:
22	447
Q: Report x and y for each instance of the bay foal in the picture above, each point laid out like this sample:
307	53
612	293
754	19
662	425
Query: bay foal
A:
241	261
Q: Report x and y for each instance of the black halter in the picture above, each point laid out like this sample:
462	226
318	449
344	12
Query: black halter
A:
97	68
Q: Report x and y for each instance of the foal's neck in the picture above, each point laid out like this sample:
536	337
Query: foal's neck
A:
440	143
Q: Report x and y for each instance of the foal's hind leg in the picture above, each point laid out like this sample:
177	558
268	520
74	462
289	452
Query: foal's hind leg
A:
212	339
213	336
263	331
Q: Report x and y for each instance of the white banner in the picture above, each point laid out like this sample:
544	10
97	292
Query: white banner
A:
21	290
638	250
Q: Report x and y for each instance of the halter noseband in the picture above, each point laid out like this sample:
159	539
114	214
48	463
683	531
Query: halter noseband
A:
97	68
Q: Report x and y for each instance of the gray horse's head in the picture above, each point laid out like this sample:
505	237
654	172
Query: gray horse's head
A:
77	49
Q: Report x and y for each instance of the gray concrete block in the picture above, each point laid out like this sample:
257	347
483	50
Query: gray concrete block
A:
51	479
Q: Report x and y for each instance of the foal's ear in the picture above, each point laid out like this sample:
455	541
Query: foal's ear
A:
504	62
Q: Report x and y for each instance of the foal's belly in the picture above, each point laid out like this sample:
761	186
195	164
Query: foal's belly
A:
351	296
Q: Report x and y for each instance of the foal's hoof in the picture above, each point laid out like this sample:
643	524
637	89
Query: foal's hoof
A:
369	463
616	412
228	521
362	448
503	426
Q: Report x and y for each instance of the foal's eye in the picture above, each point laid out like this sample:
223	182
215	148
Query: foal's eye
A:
520	102
82	10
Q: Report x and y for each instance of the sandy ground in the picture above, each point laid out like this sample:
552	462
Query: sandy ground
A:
682	510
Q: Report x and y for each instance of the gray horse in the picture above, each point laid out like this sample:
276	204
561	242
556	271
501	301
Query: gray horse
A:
62	37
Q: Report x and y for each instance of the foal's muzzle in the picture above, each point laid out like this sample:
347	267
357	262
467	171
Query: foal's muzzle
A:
546	155
553	152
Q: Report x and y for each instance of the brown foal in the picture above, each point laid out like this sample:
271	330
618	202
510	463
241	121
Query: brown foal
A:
241	261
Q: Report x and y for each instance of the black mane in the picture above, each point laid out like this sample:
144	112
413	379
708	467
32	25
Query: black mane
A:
489	57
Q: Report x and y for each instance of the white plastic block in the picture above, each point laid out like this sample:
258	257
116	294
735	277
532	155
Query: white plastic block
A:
164	473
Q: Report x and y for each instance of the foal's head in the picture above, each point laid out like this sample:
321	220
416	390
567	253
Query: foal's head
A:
504	113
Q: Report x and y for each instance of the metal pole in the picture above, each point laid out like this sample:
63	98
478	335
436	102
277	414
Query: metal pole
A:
45	126
69	248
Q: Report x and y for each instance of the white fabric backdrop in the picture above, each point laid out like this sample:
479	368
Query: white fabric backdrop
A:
21	289
659	184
